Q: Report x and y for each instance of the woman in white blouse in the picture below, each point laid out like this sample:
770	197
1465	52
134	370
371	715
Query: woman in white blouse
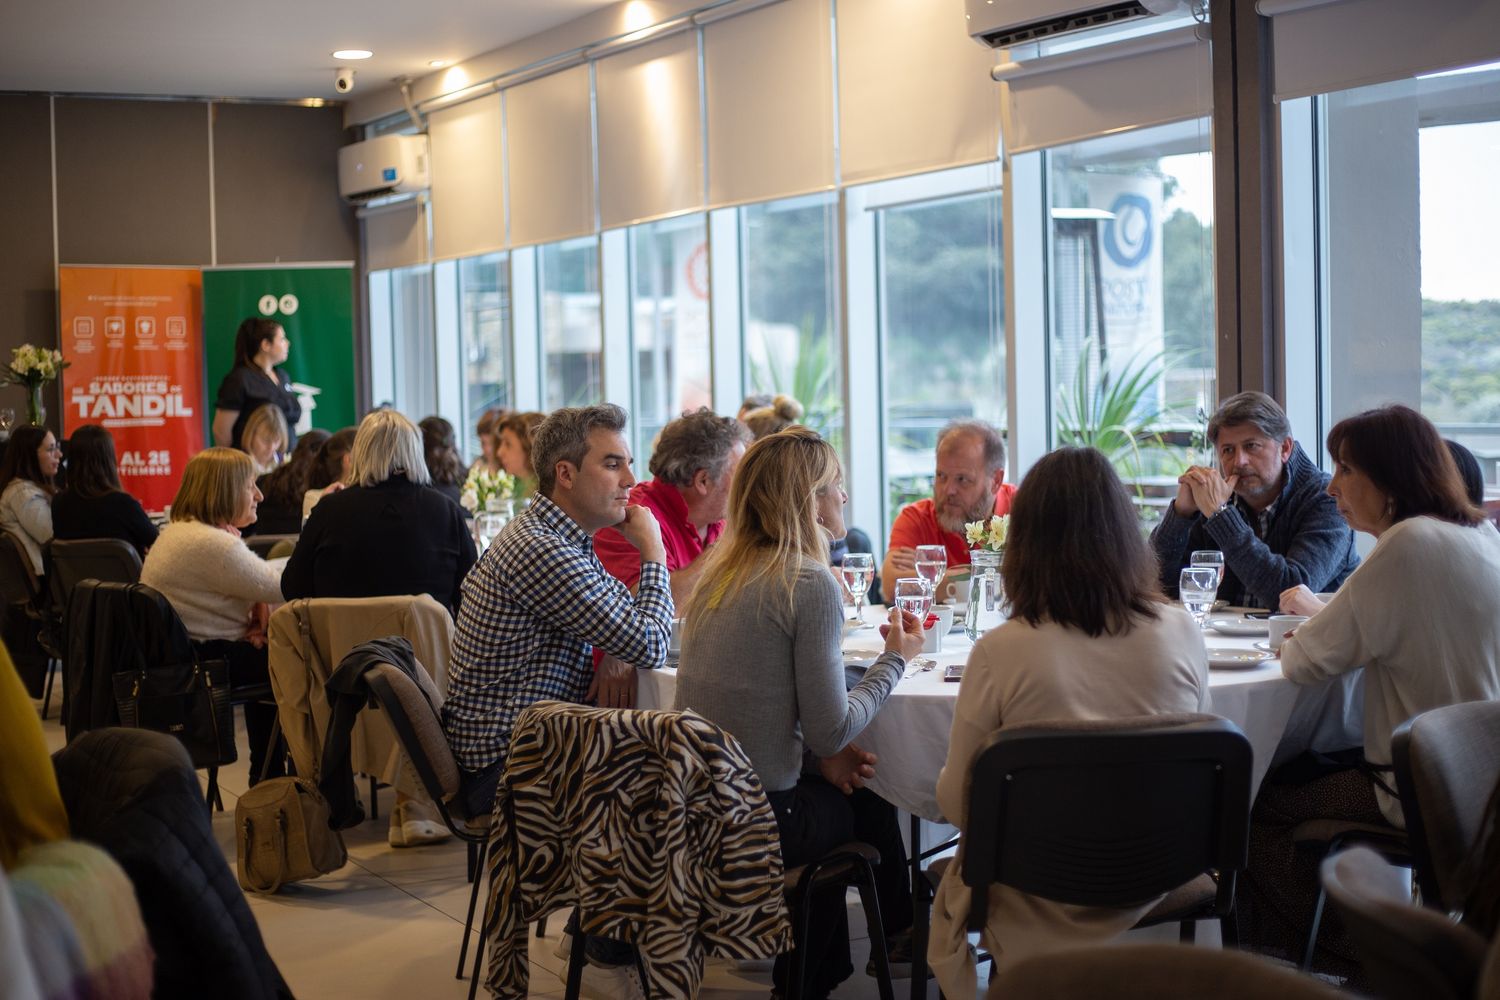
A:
26	488
1421	615
1091	637
221	590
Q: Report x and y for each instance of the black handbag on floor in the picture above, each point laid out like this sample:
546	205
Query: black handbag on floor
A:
189	701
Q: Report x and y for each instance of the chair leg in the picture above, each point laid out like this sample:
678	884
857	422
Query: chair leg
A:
1187	932
921	899
575	960
1312	934
265	765
211	797
477	878
876	928
374	801
47	691
796	972
1229	930
541	927
640	968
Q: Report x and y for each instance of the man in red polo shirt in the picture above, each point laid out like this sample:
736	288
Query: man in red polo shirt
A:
969	485
692	464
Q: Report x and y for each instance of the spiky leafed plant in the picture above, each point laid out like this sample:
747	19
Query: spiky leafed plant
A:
808	377
1115	413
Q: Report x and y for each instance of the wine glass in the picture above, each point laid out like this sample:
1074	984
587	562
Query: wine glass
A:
7	421
1197	587
1209	557
932	563
858	569
915	595
487	527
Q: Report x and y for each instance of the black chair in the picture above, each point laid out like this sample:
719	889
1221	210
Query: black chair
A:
70	562
1407	951
20	586
420	732
1109	814
1447	764
851	864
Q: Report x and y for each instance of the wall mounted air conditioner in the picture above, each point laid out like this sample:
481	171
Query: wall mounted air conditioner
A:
1001	24
390	164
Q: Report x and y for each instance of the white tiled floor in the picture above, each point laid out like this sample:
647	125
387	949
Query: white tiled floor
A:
388	924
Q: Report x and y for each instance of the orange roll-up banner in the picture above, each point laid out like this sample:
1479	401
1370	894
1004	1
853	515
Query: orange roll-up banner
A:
134	336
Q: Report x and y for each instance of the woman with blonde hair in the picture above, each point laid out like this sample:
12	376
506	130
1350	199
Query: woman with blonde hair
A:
761	657
221	590
264	438
781	413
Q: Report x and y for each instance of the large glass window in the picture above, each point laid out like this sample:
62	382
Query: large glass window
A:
1408	302
403	365
789	262
941	309
572	335
669	325
1131	345
484	325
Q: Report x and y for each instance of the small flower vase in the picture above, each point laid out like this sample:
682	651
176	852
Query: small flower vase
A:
498	505
36	413
986	593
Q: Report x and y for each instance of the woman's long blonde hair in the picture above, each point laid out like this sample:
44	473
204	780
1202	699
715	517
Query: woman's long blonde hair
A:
773	518
213	486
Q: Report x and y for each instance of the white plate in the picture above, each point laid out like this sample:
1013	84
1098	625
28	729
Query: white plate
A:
1265	644
1238	626
1236	659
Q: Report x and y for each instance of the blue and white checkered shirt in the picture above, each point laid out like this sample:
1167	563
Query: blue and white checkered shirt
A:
533	608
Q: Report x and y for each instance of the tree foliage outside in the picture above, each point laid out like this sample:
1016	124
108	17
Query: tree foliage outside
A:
1461	361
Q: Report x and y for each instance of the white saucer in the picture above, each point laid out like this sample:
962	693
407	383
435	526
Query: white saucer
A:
1265	644
1238	626
1236	659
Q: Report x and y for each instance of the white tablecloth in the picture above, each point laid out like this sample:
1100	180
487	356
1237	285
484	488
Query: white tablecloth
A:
910	733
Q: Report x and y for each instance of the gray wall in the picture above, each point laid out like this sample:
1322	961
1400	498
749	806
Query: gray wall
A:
157	182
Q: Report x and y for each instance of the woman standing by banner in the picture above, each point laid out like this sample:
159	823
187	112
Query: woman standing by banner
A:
259	346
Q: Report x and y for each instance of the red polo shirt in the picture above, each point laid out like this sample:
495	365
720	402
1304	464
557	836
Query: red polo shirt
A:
917	524
678	536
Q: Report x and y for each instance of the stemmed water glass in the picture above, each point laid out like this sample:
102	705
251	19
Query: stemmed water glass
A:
1209	557
914	594
858	569
1197	587
487	525
932	563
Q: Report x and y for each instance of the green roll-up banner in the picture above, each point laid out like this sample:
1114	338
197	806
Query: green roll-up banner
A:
314	303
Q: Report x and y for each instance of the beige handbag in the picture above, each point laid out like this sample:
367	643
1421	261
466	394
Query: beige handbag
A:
284	835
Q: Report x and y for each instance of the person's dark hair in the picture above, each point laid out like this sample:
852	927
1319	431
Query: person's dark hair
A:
989	437
564	437
697	440
247	339
1468	471
284	486
1251	408
20	458
441	451
329	468
1075	554
93	470
755	401
490	421
1403	455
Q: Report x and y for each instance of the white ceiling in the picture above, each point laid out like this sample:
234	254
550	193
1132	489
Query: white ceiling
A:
251	48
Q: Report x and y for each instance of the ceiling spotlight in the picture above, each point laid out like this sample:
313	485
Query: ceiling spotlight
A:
437	63
353	54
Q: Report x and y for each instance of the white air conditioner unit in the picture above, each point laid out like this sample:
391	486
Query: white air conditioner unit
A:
390	164
1001	24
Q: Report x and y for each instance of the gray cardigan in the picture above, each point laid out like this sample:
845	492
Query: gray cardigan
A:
1308	541
773	674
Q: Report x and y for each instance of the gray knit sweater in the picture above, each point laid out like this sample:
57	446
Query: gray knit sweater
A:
773	675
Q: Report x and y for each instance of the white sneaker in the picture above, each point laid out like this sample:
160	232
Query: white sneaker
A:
414	823
619	982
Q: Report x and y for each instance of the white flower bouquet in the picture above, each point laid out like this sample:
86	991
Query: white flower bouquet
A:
989	534
482	486
33	367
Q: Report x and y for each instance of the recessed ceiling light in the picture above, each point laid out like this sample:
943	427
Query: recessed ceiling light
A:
353	54
437	63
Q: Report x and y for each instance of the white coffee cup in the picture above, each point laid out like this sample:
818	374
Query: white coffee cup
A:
956	591
1280	625
932	639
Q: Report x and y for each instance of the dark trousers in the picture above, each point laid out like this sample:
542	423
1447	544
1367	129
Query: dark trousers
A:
813	818
248	665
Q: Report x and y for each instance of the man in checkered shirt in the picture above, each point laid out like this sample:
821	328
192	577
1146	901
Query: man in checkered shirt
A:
539	600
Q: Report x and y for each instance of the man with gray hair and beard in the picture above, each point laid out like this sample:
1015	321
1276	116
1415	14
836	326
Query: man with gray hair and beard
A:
968	485
1266	507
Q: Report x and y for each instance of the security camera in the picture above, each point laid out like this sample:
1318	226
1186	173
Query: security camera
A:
343	80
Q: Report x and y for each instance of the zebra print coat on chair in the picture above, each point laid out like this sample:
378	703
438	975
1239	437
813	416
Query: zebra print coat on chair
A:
654	823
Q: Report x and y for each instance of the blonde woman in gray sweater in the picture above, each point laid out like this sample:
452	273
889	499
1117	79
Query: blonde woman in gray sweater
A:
761	657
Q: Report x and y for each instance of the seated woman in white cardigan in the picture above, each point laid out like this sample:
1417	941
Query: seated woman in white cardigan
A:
221	590
1421	615
26	489
1091	637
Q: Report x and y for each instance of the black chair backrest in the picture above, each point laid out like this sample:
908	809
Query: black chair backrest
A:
1113	813
420	731
17	576
110	560
262	545
1447	764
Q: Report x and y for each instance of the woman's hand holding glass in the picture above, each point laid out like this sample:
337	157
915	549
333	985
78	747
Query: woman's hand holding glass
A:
903	634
